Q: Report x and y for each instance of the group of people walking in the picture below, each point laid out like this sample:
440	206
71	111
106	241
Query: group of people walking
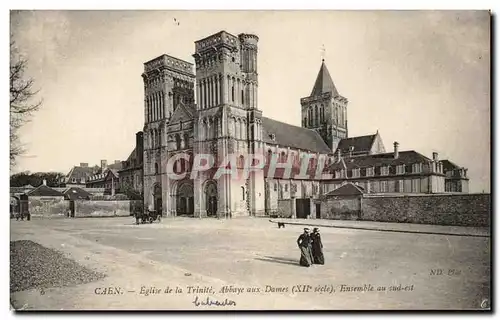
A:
311	248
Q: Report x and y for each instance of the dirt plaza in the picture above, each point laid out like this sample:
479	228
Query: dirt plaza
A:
250	264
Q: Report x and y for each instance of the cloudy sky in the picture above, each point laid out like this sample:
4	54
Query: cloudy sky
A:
421	78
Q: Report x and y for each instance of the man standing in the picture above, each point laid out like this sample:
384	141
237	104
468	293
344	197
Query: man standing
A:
304	243
317	247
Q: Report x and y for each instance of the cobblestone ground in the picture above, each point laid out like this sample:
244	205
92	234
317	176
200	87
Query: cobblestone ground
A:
417	271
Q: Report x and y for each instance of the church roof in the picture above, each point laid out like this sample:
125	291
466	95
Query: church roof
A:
359	144
288	135
324	82
381	159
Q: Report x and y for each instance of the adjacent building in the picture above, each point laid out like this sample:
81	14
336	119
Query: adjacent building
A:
131	176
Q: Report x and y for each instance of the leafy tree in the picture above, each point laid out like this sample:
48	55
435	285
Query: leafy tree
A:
22	100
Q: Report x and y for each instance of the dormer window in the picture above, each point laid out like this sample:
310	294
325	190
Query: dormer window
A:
370	172
400	169
272	136
384	171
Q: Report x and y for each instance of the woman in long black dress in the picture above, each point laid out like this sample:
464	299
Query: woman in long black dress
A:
304	243
317	247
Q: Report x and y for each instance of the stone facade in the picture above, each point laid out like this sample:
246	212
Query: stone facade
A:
226	120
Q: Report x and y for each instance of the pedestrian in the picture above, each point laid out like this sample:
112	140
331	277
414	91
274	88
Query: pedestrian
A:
304	243
317	247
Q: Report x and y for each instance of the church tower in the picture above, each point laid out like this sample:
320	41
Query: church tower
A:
167	82
325	110
228	122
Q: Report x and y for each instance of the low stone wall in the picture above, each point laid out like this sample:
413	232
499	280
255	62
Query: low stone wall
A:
48	207
285	208
453	209
103	208
341	208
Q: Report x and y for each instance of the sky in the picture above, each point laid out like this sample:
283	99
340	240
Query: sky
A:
421	78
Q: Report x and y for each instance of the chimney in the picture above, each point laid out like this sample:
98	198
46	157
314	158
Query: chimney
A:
396	149
83	164
117	161
44	182
339	155
435	156
104	164
351	149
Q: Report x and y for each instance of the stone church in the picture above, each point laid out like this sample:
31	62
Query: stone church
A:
225	118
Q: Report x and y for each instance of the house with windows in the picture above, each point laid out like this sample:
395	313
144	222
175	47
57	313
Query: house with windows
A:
394	172
108	180
456	179
131	172
78	175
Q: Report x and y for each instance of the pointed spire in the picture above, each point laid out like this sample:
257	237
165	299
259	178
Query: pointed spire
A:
324	82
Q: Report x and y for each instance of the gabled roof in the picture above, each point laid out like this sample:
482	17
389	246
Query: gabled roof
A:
359	144
44	191
79	172
182	112
448	165
115	166
381	159
348	189
288	135
76	194
324	82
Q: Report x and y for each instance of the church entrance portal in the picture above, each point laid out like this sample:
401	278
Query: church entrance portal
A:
211	198
157	199
185	199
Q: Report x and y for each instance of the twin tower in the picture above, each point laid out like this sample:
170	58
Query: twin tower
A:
226	74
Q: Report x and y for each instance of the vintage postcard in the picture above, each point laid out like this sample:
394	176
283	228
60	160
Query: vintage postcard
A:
265	160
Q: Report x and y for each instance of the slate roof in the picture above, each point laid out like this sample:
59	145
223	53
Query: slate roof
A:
288	135
348	189
324	82
44	191
360	144
76	194
115	166
448	165
382	159
78	173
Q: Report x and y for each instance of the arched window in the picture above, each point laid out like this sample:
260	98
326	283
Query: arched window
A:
159	137
242	193
322	114
269	156
316	120
232	93
241	161
242	97
177	141
186	140
156	168
283	157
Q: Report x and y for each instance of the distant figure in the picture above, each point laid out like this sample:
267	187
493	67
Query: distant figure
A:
304	243
317	247
281	224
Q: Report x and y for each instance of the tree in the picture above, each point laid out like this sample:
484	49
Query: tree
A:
22	100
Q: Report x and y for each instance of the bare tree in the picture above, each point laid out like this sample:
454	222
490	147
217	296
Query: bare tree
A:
22	100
